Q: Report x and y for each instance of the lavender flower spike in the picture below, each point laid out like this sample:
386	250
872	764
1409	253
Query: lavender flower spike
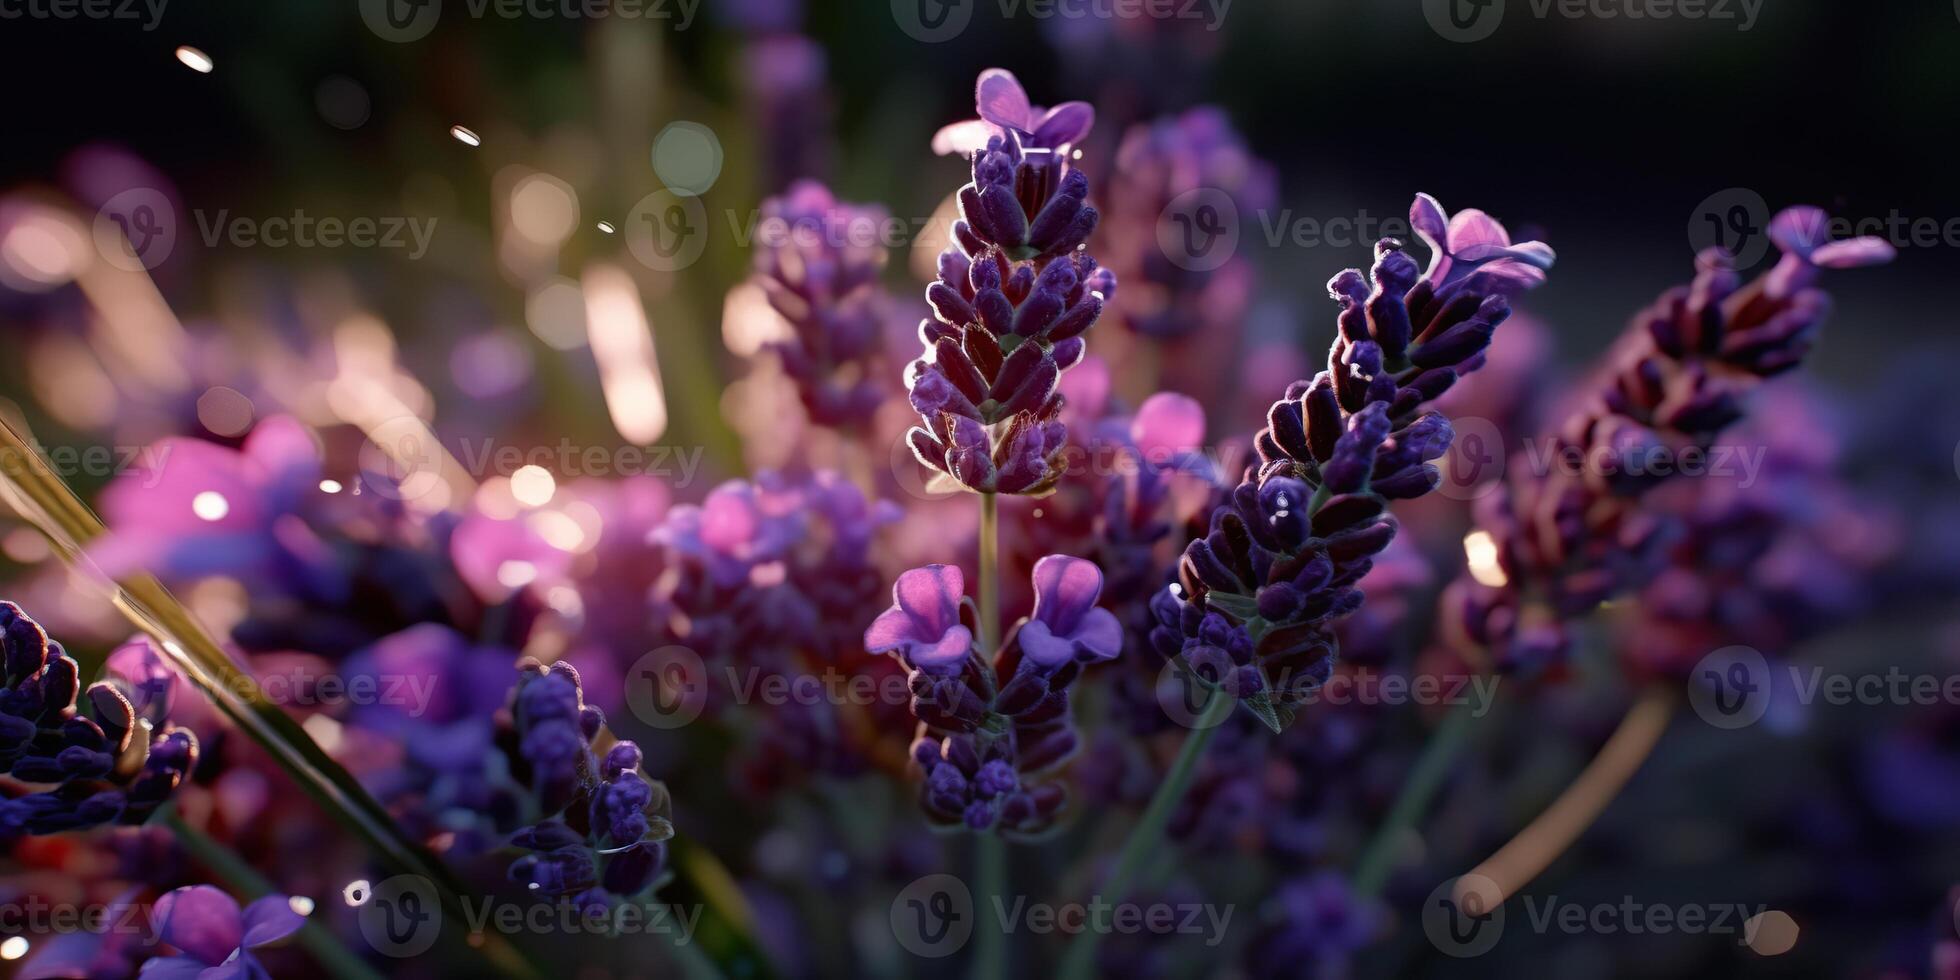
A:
1254	610
1013	298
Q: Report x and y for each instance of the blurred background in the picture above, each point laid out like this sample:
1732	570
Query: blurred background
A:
514	160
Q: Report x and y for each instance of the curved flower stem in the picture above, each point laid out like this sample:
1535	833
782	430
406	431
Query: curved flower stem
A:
1425	778
241	877
1147	836
989	851
1544	839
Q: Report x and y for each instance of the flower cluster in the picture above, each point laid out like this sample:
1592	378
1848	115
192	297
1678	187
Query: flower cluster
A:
818	262
105	763
1194	153
992	723
1567	541
1258	596
1013	297
601	825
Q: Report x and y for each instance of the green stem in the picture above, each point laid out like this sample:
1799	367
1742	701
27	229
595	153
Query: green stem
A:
336	959
990	880
1146	838
1424	779
989	851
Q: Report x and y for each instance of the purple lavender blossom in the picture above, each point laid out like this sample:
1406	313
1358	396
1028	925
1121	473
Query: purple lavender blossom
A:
1257	598
1569	540
96	757
819	264
1067	624
215	938
601	826
992	723
1004	109
923	625
1013	298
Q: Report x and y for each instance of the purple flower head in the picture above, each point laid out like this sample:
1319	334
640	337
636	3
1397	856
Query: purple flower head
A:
206	509
1259	596
1003	107
1067	624
818	262
1567	542
923	625
145	679
54	732
214	937
731	532
1012	300
1472	243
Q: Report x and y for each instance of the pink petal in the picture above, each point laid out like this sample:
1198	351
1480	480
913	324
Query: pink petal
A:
1429	220
931	596
1853	253
951	649
1167	425
1473	227
1066	123
1800	230
1001	100
200	920
963	138
888	632
283	443
270	919
1064	589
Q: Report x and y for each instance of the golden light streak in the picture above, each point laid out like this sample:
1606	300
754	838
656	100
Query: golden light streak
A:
363	393
137	334
195	60
465	136
622	343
